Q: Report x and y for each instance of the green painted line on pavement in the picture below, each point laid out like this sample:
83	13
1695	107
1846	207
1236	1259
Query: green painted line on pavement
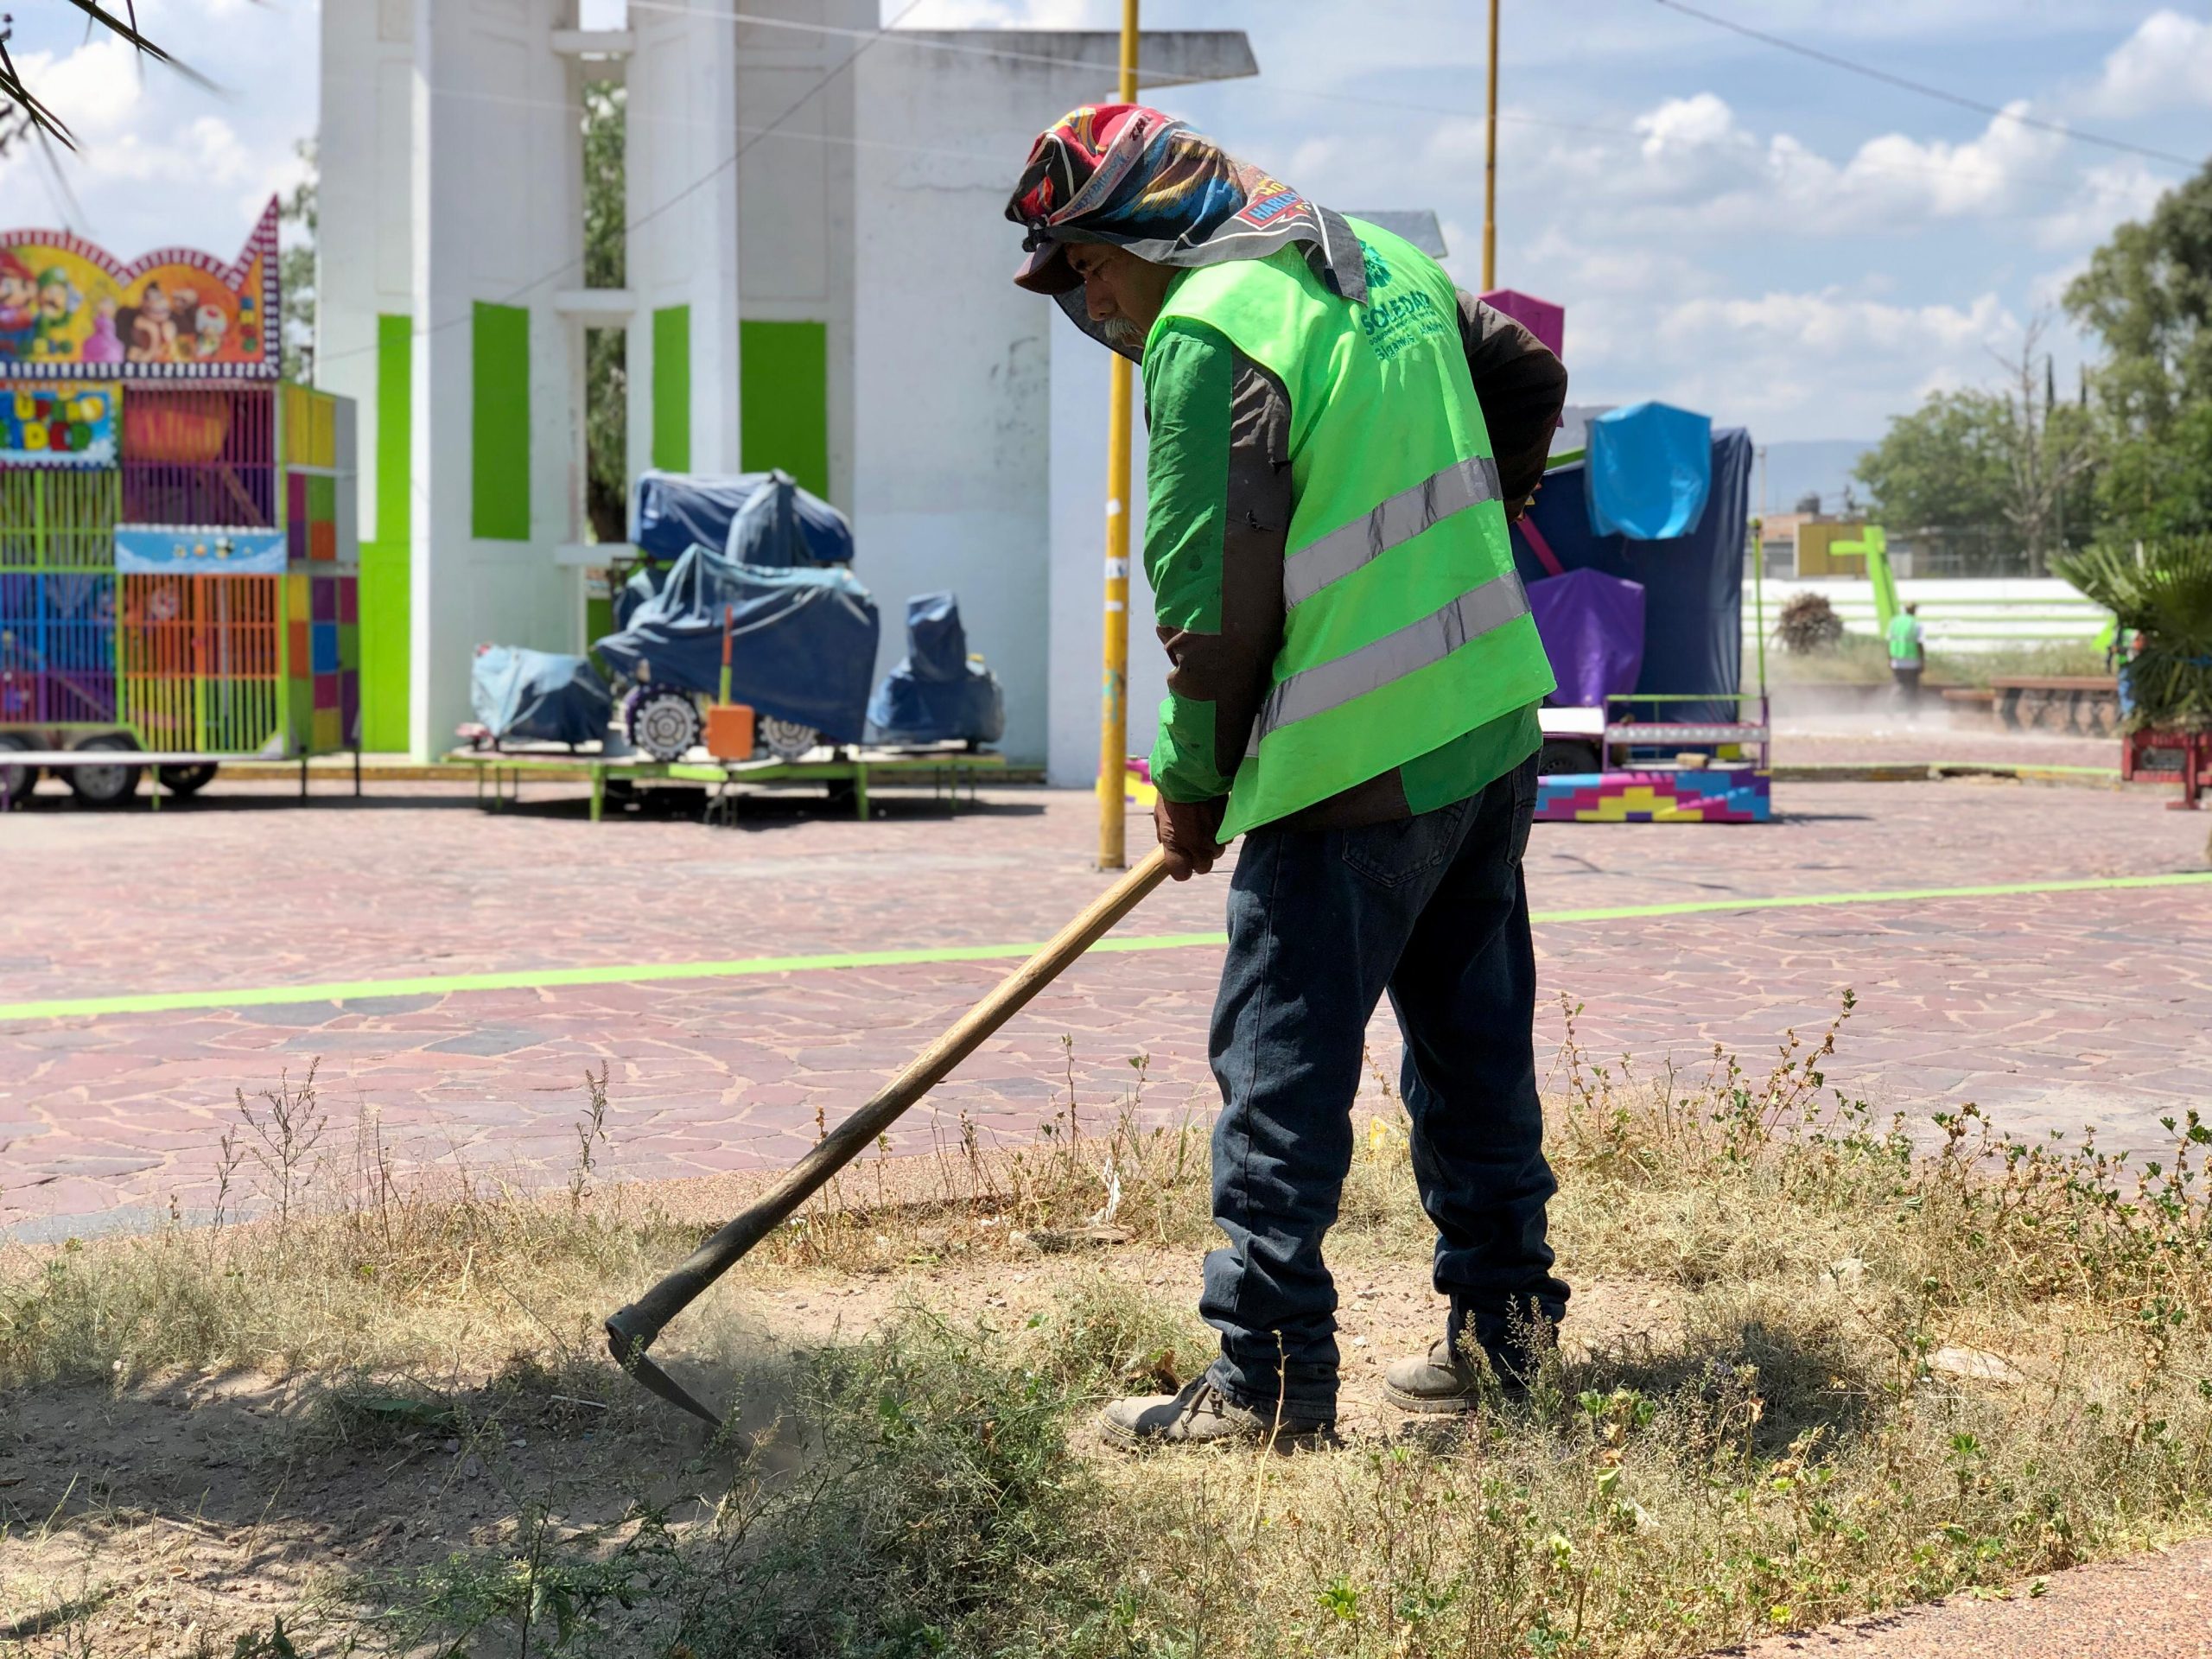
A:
1890	896
525	979
531	979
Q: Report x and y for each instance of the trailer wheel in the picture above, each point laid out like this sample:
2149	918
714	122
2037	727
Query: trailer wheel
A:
1567	755
787	739
17	780
188	779
663	723
110	786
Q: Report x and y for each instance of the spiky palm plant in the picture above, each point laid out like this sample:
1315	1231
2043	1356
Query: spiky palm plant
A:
2164	594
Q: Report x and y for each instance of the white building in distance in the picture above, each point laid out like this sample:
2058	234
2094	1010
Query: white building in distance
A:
818	278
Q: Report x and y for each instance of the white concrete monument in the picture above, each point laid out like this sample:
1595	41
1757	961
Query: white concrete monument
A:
817	278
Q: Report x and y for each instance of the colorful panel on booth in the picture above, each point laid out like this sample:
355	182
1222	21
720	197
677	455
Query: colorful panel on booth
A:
1709	795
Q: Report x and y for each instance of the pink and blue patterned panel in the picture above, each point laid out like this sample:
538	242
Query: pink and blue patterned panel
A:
1711	795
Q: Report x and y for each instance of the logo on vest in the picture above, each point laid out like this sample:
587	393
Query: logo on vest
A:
1378	274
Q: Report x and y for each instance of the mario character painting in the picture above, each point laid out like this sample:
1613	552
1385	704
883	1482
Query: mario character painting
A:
58	300
18	306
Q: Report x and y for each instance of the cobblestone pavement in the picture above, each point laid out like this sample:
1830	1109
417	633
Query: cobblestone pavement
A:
2052	1009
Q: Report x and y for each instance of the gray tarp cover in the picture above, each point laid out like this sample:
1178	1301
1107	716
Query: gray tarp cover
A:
538	696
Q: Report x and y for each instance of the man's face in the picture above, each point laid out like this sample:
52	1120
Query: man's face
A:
1121	290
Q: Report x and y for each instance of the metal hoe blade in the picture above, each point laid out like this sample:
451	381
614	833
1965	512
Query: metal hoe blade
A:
628	1348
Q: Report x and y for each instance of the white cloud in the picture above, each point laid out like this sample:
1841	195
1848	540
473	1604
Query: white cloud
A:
91	91
1832	325
161	161
2165	64
1688	124
2107	197
1791	363
999	14
1695	151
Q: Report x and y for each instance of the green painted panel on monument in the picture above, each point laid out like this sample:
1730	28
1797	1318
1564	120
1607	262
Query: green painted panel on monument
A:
671	446
386	606
783	377
499	424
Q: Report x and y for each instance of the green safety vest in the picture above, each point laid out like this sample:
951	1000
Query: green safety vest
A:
1405	625
1905	639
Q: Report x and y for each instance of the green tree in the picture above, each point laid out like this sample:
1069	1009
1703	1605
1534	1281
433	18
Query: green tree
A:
1944	466
295	269
2146	299
2146	296
2153	488
2017	460
607	380
2050	453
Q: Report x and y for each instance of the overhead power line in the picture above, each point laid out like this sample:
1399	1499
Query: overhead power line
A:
1994	112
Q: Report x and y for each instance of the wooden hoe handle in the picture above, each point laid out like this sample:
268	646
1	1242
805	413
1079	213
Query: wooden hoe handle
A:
631	1331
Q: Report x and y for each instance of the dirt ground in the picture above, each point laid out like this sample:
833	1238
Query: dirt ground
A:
174	1515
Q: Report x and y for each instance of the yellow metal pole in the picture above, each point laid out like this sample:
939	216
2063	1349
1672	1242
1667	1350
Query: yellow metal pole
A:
1490	166
1113	710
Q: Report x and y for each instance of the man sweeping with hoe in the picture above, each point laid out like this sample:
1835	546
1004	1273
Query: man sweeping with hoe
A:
1337	440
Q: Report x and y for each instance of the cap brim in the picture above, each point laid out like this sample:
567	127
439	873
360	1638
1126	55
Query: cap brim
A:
1047	271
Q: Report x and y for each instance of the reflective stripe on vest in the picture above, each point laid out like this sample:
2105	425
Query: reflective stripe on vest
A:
1417	646
1463	485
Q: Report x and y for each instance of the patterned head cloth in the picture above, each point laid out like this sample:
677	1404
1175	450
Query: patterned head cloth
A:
1131	177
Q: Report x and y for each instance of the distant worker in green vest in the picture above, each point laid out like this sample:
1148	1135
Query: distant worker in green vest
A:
1337	439
1907	658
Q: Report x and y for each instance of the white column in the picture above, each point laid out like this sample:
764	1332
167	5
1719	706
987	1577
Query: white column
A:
497	217
679	146
363	254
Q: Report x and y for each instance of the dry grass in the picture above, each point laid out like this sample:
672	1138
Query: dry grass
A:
1864	659
1880	1375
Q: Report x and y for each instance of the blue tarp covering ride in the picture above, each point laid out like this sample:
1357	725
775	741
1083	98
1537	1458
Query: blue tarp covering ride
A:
936	694
803	641
1649	472
760	518
539	696
1693	584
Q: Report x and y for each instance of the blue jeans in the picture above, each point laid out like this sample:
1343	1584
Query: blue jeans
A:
1321	922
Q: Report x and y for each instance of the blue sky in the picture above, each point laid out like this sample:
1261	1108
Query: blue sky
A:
1729	228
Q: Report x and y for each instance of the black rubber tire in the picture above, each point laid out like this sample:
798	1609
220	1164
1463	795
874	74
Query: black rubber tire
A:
188	779
17	781
104	787
1564	755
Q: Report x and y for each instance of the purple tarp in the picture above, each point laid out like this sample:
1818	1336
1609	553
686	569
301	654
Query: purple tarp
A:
1593	628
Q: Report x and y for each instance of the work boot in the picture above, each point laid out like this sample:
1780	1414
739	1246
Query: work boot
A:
1459	1376
1201	1415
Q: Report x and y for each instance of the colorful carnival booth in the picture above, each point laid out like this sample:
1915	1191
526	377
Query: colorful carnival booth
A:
178	559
